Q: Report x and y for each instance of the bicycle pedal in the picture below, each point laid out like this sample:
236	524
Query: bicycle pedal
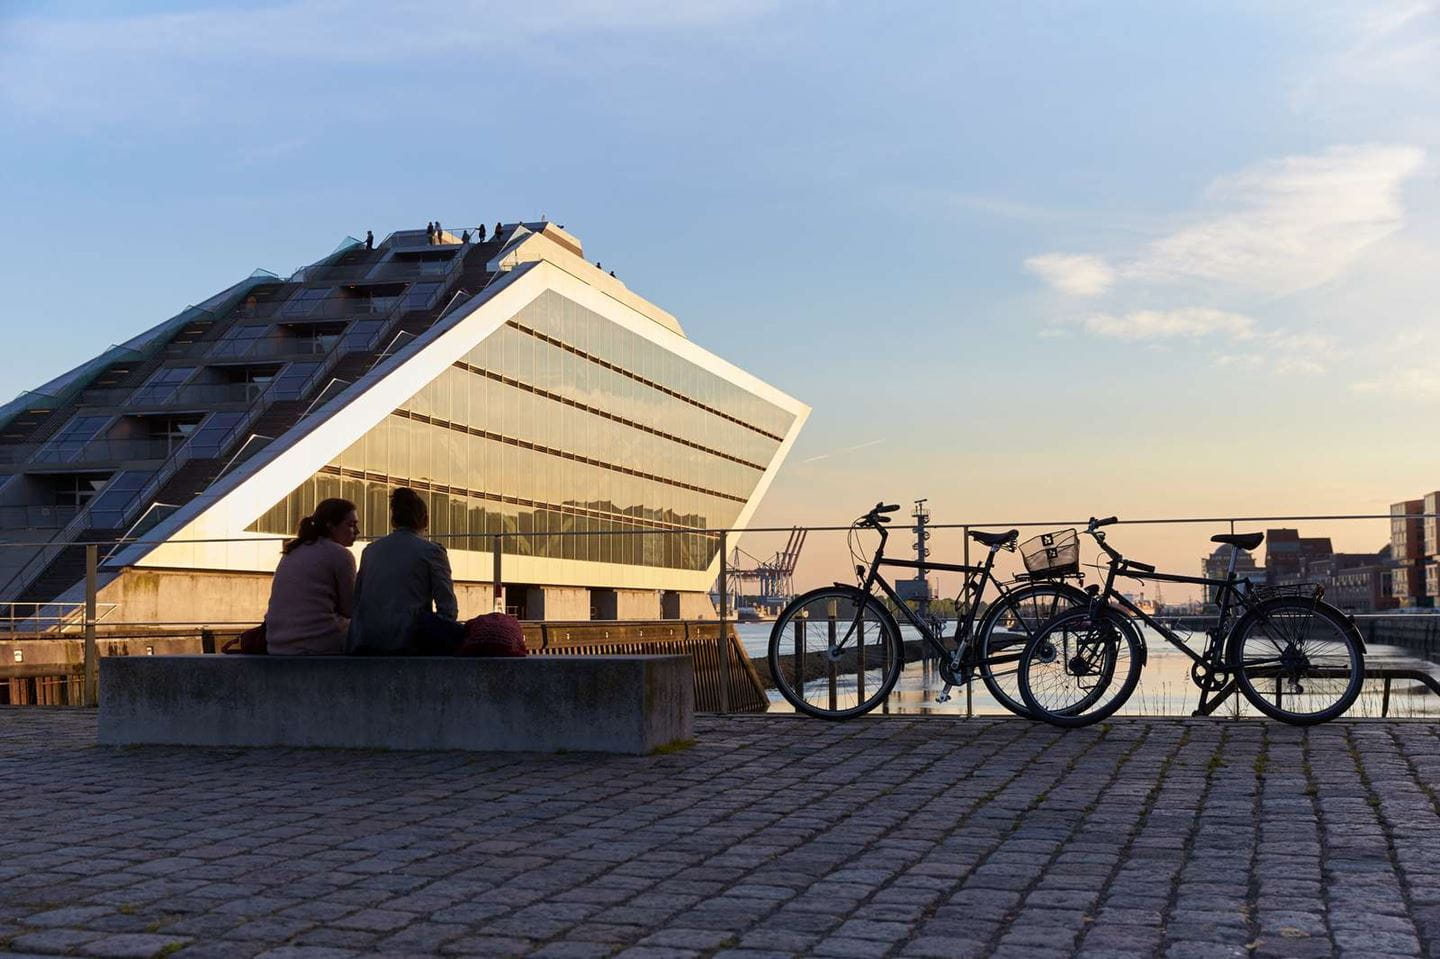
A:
944	696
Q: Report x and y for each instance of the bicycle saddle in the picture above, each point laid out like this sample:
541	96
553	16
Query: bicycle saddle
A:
1242	540
993	539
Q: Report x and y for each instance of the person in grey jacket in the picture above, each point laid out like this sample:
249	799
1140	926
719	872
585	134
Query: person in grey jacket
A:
404	595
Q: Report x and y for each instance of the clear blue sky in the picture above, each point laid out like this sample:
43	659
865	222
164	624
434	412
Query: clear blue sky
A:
959	231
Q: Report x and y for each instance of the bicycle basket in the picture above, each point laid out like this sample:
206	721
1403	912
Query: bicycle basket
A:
1052	554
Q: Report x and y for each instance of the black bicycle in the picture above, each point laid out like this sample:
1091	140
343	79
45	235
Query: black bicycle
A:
1295	657
836	652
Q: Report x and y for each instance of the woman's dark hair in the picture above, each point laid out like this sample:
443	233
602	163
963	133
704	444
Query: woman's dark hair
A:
408	510
330	512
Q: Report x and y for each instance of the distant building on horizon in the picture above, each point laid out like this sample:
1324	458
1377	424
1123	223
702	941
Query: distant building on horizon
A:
1217	564
1408	577
517	387
1287	552
1354	582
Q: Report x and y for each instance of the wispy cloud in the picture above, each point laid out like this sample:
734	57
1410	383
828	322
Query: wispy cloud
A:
1411	382
1392	45
70	64
1275	228
1284	352
1271	230
1288	224
1075	274
1192	323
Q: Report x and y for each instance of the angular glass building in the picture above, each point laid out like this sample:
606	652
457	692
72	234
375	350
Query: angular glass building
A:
545	411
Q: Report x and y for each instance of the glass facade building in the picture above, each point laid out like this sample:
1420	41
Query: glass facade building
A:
562	422
536	402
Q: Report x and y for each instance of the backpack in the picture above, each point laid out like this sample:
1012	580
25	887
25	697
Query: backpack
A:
493	634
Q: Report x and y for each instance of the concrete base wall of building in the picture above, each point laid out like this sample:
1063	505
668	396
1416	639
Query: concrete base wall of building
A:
697	606
637	604
185	596
203	597
557	602
617	704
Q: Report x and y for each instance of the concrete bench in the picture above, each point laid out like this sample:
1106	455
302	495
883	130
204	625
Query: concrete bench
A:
619	704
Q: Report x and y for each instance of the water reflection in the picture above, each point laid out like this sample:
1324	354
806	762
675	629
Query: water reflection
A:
1165	688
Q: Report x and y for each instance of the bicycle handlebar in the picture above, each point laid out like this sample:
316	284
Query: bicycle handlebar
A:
882	508
1115	557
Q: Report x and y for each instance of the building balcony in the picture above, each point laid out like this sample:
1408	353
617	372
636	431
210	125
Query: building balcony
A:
203	396
91	454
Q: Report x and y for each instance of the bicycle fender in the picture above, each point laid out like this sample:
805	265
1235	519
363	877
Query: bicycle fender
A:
1232	639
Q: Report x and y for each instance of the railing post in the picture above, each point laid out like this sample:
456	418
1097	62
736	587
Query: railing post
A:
92	664
496	545
722	643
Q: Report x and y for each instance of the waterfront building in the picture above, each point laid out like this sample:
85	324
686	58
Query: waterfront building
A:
1430	545
1287	552
1407	553
517	387
1217	564
1354	582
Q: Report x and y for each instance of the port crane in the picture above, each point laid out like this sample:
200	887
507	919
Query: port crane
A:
773	578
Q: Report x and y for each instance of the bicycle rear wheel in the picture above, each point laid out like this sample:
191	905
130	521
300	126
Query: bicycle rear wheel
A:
1008	625
1080	668
835	653
1297	660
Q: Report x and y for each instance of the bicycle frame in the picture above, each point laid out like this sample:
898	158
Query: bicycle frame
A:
976	579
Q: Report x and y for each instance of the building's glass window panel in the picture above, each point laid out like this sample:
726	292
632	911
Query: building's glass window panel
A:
112	507
421	296
239	341
362	335
73	490
292	380
305	301
215	434
72	438
162	386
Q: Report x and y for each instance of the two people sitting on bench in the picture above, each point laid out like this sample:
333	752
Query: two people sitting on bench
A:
402	601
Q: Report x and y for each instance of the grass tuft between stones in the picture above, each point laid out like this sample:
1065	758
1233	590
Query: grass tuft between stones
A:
679	745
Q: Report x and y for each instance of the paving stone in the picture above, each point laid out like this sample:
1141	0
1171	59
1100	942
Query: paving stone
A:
131	946
775	836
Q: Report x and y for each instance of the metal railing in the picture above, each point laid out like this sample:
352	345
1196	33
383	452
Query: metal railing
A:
198	395
37	517
499	546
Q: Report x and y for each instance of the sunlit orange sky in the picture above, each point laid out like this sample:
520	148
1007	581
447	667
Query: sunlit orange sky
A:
1030	261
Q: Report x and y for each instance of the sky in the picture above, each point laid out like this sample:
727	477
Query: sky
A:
1032	261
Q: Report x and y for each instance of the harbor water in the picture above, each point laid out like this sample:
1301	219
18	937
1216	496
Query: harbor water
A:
1165	687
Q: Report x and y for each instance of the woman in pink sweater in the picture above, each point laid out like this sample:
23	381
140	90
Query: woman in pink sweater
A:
314	587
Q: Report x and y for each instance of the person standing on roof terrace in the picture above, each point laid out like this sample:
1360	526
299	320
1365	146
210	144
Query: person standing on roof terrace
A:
439	233
497	230
430	233
464	236
480	233
369	240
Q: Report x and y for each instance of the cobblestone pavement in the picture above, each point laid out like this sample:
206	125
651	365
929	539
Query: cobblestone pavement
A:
920	838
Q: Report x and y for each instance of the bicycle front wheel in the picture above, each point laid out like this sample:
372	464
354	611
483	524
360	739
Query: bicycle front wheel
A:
1008	625
1079	668
1297	660
835	653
